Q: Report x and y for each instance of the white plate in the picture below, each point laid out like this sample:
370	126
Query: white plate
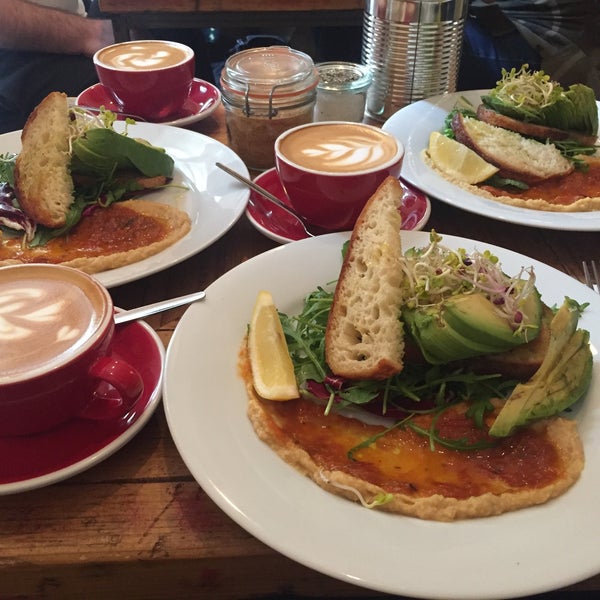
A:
412	126
524	552
213	199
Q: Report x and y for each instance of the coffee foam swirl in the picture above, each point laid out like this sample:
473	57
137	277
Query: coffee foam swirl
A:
42	323
341	148
351	153
143	56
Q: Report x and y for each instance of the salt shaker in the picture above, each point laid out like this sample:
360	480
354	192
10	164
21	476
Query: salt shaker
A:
266	91
342	91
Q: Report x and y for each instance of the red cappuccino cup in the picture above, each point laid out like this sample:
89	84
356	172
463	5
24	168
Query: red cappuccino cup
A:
329	169
147	78
56	329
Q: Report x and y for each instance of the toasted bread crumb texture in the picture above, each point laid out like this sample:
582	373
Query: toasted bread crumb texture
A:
517	157
42	176
364	333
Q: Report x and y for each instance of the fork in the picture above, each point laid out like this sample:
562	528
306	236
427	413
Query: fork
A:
590	274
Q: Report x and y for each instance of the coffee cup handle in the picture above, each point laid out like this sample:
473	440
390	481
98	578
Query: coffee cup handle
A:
118	398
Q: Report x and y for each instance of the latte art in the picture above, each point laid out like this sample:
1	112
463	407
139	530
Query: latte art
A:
143	56
347	155
43	322
339	148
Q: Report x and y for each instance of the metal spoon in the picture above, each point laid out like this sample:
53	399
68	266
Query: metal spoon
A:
150	309
251	184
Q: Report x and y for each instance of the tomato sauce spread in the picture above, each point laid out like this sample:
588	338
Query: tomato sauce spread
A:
561	191
104	231
402	461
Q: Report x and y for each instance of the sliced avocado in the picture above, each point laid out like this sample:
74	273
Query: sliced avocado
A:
440	343
103	151
475	317
468	325
563	376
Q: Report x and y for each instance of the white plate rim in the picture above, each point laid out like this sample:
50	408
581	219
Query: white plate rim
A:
412	125
500	557
103	453
213	199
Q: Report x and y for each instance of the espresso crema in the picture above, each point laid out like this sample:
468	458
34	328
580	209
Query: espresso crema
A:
44	321
143	56
338	147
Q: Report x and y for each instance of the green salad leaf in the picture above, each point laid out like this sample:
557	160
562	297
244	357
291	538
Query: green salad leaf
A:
103	152
533	97
418	389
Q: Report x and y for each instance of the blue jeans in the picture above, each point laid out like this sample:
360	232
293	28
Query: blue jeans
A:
484	56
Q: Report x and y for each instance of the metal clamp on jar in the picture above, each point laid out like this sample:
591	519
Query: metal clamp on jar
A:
265	92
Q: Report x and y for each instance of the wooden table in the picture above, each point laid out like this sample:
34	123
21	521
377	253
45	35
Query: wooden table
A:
147	14
137	525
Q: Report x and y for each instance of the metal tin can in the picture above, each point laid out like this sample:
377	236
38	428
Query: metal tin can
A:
413	48
266	91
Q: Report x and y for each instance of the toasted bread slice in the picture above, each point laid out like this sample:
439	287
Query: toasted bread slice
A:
540	132
43	182
364	338
517	157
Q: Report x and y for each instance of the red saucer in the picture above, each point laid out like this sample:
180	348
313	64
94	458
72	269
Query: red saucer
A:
202	101
29	462
280	226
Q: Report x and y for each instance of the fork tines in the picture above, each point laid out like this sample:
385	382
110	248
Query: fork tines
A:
590	272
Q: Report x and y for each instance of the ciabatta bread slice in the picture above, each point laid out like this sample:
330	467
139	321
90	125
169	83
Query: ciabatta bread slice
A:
541	132
364	338
517	157
43	183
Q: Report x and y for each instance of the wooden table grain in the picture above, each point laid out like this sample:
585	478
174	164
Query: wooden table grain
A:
137	526
127	15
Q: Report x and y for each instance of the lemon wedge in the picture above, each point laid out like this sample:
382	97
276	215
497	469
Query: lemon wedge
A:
457	160
272	368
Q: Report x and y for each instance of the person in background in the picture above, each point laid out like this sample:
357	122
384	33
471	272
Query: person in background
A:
558	36
45	45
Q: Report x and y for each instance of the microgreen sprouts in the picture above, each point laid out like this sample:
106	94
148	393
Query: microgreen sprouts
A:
524	88
419	389
436	272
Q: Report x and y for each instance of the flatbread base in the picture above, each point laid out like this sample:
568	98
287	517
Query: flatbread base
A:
582	204
405	482
124	233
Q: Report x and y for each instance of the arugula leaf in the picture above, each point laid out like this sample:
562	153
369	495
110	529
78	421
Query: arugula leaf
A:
418	389
7	168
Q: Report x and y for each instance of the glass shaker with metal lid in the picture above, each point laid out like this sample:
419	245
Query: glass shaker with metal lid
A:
266	91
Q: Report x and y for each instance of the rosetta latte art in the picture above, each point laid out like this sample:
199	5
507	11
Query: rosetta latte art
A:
339	148
348	154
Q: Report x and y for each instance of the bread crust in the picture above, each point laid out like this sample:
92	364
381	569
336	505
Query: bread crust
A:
364	337
516	157
43	182
540	132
